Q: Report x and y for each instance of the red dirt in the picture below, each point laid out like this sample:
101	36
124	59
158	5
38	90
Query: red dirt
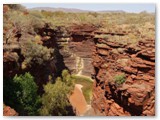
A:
78	101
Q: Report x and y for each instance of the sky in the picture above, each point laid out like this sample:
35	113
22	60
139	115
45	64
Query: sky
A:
98	7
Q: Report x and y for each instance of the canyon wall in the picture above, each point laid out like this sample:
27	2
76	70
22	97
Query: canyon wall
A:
85	50
133	63
75	46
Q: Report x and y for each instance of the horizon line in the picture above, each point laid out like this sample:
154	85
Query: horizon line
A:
129	8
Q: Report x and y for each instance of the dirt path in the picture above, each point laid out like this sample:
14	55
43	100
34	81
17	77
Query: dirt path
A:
79	65
78	101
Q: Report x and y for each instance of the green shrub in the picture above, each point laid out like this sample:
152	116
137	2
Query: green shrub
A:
26	95
55	99
35	53
120	79
65	75
67	78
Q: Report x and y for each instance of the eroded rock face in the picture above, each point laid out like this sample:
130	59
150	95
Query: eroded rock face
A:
8	111
136	96
76	49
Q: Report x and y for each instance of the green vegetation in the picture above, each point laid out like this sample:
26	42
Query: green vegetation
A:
120	79
9	92
35	53
102	20
87	86
27	94
24	97
67	78
55	99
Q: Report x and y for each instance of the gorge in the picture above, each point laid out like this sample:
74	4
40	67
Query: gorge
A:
113	65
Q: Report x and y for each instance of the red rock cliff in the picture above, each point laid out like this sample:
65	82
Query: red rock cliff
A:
136	95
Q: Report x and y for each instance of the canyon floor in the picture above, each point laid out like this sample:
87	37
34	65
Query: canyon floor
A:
78	101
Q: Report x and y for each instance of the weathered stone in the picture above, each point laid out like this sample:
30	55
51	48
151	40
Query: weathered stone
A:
8	111
102	52
136	94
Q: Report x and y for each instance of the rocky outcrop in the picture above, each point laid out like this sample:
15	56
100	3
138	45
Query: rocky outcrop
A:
8	111
111	59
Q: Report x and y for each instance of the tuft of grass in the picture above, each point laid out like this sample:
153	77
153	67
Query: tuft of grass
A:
87	86
120	79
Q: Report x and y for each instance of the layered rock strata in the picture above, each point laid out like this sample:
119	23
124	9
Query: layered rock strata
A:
135	64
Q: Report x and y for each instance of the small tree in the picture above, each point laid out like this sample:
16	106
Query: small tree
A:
55	99
29	101
66	77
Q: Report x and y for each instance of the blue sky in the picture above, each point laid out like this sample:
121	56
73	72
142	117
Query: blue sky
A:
97	7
